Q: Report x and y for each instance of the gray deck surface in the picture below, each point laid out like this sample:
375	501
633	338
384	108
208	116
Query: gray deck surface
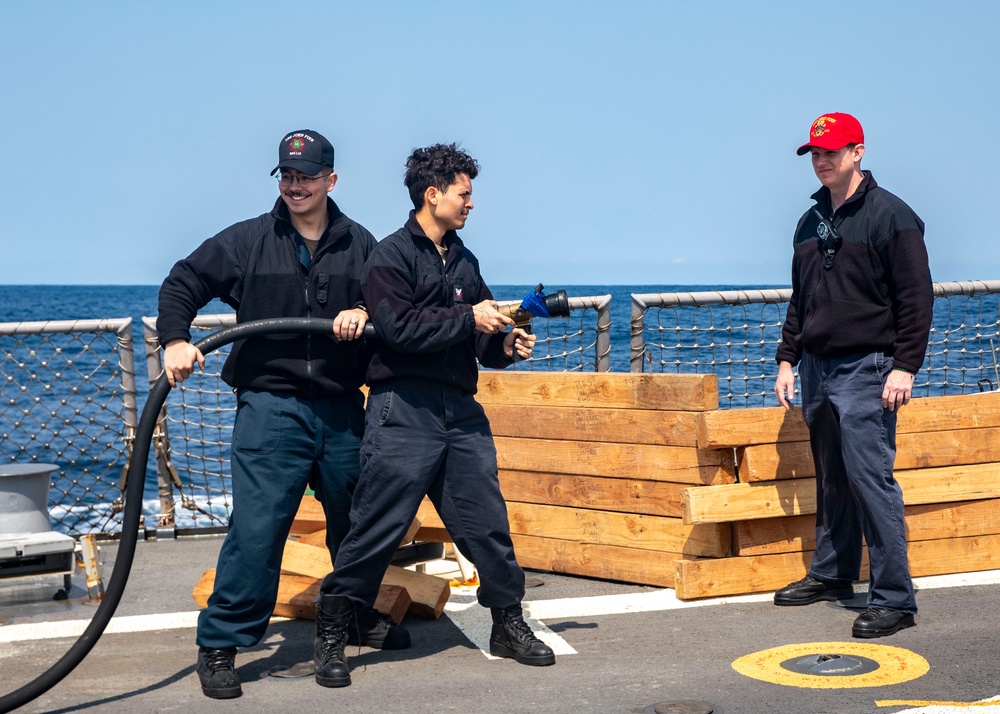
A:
624	662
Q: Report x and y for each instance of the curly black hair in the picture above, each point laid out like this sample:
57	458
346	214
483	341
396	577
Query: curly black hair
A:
436	166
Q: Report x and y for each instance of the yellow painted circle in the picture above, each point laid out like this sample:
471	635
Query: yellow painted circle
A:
896	665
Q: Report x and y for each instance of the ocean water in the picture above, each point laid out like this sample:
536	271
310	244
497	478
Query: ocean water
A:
962	358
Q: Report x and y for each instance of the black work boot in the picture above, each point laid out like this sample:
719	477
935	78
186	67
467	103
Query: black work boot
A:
373	629
511	637
334	615
217	672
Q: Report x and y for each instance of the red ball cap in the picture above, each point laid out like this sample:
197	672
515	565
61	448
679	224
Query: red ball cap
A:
833	131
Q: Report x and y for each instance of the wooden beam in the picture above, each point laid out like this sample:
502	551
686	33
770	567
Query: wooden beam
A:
595	458
645	567
653	498
297	597
626	530
765	462
427	592
715	577
635	426
923	522
611	390
745	427
318	538
630	529
309	518
795	497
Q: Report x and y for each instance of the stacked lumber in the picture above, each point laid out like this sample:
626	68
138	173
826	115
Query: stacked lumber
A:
306	561
593	468
947	463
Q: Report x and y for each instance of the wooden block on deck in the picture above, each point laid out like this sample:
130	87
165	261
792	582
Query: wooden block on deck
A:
297	597
768	425
745	501
653	498
645	567
427	592
769	499
611	390
643	461
715	577
923	522
319	537
913	451
635	426
309	518
626	530
431	527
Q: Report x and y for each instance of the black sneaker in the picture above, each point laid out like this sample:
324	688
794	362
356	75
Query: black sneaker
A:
881	622
810	590
373	629
217	672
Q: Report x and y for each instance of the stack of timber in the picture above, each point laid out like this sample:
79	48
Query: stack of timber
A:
306	561
593	467
947	463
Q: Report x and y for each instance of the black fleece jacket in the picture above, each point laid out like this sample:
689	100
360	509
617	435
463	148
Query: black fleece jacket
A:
422	311
877	296
253	266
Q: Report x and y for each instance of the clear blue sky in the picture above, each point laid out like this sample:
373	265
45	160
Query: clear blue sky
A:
621	142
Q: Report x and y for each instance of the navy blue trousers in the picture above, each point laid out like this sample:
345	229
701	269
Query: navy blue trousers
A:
426	438
280	445
853	442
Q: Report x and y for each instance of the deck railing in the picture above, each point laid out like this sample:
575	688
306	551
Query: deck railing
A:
735	334
68	391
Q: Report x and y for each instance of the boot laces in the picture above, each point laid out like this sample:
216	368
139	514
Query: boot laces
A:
518	629
219	660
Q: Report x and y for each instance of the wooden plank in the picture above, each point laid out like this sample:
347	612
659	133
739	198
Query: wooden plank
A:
745	501
626	530
600	527
635	426
645	567
610	390
595	458
653	498
794	497
699	476
745	427
715	577
431	526
427	592
319	537
923	522
954	447
297	597
309	518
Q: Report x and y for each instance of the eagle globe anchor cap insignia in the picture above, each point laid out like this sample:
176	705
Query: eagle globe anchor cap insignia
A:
833	132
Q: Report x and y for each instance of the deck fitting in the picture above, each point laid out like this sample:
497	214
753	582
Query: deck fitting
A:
831	665
683	707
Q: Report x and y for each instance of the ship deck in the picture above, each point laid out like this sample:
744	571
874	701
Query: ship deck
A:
621	648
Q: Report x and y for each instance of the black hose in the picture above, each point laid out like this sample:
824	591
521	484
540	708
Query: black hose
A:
133	500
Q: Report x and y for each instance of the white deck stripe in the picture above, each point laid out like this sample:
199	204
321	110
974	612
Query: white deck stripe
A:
474	621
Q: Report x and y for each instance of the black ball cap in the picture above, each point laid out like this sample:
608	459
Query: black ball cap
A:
307	151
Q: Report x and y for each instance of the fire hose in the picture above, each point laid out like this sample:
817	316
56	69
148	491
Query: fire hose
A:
133	501
535	304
